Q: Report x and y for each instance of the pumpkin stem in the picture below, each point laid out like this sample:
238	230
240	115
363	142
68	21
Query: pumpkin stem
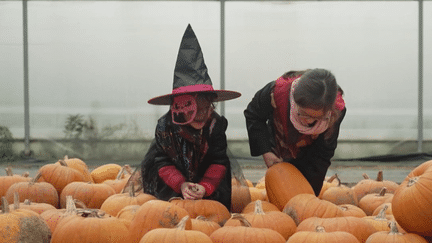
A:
62	163
242	219
200	217
4	206
26	174
80	203
94	213
9	171
382	213
413	181
182	224
380	176
337	177
383	191
70	205
132	190
120	174
175	198
27	202
320	229
258	208
331	179
36	178
365	176
393	228
16	201
66	157
128	169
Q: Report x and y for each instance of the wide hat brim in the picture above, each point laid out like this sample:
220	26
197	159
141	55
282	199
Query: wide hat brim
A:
222	95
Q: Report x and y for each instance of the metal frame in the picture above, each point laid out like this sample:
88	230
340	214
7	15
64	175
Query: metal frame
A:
27	150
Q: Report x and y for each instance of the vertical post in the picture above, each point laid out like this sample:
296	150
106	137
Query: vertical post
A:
420	80
26	84
222	52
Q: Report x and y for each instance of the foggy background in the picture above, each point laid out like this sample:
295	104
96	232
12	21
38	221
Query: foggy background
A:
106	59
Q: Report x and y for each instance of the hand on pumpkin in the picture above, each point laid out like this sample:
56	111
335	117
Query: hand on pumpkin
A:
271	159
192	191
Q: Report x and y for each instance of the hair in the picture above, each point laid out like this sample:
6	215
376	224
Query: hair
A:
316	89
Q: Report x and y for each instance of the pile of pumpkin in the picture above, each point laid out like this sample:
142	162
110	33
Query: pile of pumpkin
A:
66	202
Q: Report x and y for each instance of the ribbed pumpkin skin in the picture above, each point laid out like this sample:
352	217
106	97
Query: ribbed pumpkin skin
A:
211	209
204	225
267	207
351	210
358	227
284	181
75	228
105	172
411	204
9	180
79	165
394	236
242	234
304	206
156	214
163	235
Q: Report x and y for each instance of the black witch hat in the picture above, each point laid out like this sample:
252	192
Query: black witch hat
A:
190	73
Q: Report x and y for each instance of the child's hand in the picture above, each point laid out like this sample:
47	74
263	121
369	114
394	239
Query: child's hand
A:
192	191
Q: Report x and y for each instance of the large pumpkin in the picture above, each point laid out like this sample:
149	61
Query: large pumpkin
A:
411	204
105	172
177	234
79	165
340	194
240	196
284	181
21	225
371	201
53	216
156	214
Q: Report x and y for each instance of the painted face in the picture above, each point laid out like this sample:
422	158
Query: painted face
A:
309	116
183	109
191	109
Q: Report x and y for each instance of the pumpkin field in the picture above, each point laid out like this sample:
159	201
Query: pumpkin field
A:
66	202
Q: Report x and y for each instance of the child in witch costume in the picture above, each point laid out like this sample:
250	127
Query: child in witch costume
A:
296	119
188	157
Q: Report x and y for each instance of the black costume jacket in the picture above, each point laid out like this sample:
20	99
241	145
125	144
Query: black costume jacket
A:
164	151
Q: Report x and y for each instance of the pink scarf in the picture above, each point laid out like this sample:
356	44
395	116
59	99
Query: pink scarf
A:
320	125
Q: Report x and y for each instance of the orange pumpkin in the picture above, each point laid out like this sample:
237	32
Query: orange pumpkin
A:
411	204
266	206
303	206
358	227
367	185
53	216
119	182
380	207
381	221
35	207
8	180
22	225
176	234
320	235
371	201
351	210
114	203
274	220
156	214
245	234
105	172
340	194
79	165
92	195
240	196
204	225
328	182
127	214
59	175
283	182
38	192
394	236
90	226
211	209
